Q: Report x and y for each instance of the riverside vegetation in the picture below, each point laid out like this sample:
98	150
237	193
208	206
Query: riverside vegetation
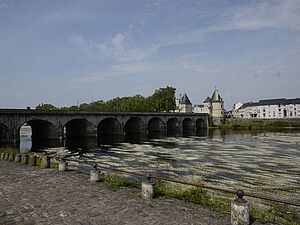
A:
256	124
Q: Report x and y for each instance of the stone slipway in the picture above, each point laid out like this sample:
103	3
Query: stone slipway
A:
29	195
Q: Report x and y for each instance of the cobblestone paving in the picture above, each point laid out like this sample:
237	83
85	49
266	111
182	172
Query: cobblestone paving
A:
29	195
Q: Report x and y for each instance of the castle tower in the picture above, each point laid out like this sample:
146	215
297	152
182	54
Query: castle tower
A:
217	108
185	104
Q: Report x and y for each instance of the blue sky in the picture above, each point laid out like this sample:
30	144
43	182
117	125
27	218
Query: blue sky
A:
69	51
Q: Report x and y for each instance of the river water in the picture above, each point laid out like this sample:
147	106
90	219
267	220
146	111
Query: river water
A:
267	163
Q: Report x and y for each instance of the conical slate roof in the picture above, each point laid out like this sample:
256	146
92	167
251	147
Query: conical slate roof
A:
185	100
207	100
216	97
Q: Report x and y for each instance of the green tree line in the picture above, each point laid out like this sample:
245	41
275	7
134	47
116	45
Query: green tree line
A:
162	100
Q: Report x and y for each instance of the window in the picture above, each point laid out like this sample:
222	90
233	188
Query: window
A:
279	110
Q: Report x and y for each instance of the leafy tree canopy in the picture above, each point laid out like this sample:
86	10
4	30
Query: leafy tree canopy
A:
163	100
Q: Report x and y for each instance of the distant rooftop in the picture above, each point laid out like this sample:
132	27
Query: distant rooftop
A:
185	100
278	101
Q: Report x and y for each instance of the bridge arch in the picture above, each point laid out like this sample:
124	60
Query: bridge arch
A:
188	126
110	130
173	126
156	124
3	133
41	129
80	128
134	125
200	124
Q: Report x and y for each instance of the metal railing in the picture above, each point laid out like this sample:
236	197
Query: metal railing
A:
148	176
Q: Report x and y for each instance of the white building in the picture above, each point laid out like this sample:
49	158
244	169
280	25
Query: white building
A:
213	106
270	109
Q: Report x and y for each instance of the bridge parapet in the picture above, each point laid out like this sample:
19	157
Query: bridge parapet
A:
56	124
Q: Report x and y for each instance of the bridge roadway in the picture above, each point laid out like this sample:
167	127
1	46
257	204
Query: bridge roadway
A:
58	124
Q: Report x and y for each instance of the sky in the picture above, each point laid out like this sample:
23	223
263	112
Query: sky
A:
66	52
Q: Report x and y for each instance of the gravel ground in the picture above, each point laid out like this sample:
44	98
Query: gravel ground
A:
29	195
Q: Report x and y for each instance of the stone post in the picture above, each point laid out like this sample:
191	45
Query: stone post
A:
240	210
45	162
62	166
6	156
24	159
95	175
2	156
32	160
18	158
11	157
147	188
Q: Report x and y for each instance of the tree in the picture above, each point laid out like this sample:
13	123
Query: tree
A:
163	99
46	107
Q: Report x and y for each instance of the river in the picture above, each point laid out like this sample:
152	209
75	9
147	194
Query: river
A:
266	163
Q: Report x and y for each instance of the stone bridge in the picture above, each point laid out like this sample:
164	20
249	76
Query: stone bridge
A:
60	124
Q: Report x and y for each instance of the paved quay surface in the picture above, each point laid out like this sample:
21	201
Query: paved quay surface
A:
29	195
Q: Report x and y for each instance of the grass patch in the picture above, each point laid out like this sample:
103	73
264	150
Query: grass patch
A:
9	150
278	214
194	195
114	181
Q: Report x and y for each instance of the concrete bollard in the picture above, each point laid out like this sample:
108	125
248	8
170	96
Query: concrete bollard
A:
240	210
11	157
32	160
24	159
62	166
18	158
6	156
2	156
147	188
96	175
45	162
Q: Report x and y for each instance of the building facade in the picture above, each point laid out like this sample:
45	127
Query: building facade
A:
214	106
269	109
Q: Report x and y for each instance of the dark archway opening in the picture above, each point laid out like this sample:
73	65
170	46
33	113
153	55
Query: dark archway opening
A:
201	128
80	134
156	128
188	127
135	131
173	127
3	135
38	134
110	131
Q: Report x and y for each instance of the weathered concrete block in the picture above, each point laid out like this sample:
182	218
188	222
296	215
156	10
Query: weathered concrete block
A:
240	213
2	156
96	175
45	162
32	160
11	157
24	159
147	190
18	158
62	166
6	156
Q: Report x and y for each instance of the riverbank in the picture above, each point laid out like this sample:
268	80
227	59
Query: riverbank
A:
265	125
30	195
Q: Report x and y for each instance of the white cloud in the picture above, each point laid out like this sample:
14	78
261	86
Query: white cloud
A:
117	48
260	15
